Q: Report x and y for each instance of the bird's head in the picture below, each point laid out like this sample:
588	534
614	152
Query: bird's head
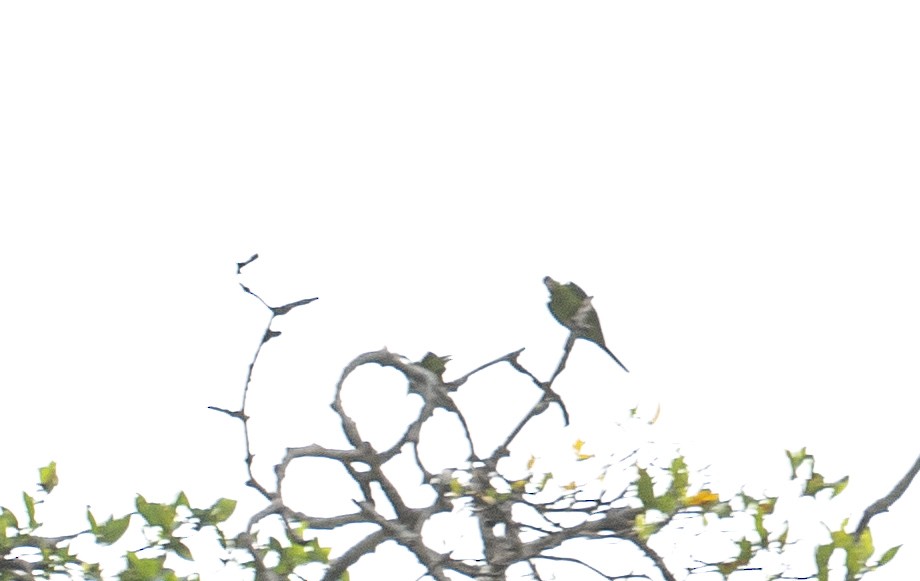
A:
550	283
435	363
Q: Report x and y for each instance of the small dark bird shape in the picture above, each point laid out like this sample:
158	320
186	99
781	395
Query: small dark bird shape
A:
572	307
435	363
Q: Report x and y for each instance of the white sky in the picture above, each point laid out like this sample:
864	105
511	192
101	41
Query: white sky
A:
735	183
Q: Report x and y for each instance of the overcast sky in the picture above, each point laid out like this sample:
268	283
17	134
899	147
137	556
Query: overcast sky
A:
735	183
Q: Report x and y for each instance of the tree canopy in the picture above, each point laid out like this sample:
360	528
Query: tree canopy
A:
636	514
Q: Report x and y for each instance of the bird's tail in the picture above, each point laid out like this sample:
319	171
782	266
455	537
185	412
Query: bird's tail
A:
614	357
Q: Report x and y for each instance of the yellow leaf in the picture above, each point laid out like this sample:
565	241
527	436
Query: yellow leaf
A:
570	486
578	444
531	462
702	498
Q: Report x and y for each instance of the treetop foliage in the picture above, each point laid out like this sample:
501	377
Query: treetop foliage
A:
620	524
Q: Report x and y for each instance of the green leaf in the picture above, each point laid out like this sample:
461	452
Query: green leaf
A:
217	513
796	459
728	568
814	485
7	520
321	554
822	558
297	555
643	528
92	571
841	538
181	500
275	545
296	531
644	488
143	569
111	530
888	556
667	504
745	551
47	477
783	536
680	478
761	530
839	486
30	510
748	501
156	514
858	553
179	548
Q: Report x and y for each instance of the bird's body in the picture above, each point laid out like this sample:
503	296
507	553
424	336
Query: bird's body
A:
572	307
435	363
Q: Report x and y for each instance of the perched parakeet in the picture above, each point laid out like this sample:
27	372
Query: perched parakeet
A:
572	307
434	363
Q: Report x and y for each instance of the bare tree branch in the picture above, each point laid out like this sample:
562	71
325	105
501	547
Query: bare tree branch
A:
514	527
884	503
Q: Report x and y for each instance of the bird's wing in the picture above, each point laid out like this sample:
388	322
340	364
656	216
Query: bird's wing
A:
587	324
563	302
576	290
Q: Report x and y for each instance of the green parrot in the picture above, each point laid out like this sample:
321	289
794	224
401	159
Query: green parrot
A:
572	307
434	363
